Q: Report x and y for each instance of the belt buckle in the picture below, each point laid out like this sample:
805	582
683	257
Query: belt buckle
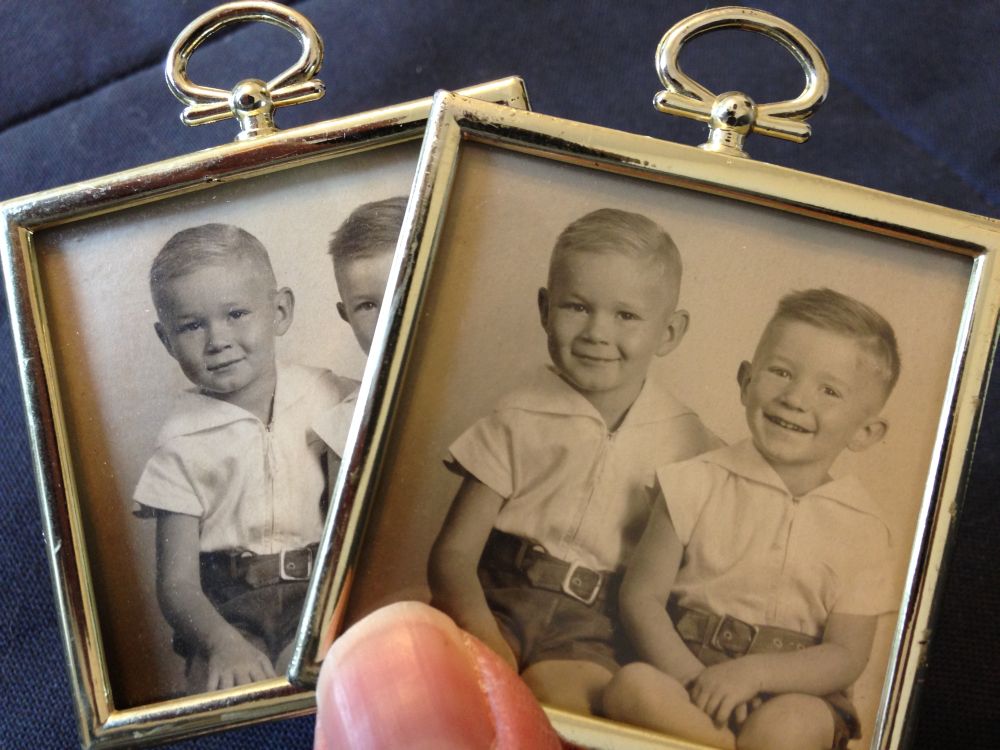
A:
714	641
573	582
283	573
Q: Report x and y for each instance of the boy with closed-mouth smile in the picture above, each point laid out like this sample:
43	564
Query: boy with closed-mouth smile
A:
238	478
555	482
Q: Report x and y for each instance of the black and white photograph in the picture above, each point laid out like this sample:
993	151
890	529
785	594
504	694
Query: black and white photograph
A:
208	351
656	448
193	334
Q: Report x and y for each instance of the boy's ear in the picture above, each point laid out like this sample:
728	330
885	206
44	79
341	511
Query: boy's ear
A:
543	307
161	334
674	332
284	310
743	378
868	434
342	312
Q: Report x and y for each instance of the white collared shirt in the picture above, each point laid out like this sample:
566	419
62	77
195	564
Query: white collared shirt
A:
254	486
333	425
578	490
755	552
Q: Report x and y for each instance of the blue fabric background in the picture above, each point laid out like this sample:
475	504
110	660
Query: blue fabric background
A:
912	110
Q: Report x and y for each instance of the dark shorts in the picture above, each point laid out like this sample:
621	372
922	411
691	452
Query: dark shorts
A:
268	616
846	725
541	625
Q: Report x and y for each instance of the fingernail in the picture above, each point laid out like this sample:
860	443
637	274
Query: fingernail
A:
406	678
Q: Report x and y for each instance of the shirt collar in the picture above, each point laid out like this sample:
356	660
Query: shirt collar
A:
333	425
548	393
195	412
743	459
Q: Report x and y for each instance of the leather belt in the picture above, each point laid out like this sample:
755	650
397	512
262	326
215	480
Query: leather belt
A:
550	573
735	637
260	570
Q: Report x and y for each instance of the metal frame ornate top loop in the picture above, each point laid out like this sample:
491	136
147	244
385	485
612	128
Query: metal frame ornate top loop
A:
733	115
251	101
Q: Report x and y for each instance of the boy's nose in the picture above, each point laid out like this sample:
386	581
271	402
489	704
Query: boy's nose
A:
218	337
794	396
597	328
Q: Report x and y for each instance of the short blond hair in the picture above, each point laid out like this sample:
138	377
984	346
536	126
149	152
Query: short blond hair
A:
206	245
370	226
832	311
631	234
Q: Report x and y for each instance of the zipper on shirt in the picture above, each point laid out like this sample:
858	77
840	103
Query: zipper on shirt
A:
600	463
788	531
269	478
791	515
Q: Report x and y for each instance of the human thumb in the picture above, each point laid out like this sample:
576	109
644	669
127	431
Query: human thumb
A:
407	676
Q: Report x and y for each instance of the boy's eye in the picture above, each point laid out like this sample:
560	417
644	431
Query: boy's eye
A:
188	327
365	306
576	307
780	372
237	314
833	392
626	315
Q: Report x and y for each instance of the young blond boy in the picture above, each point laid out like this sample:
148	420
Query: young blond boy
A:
237	477
775	572
554	494
362	249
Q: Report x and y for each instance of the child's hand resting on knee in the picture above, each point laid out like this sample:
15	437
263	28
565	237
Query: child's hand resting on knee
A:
726	690
234	661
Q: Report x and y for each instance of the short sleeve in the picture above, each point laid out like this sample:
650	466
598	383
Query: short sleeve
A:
327	399
164	486
485	451
873	588
332	425
685	487
337	388
701	439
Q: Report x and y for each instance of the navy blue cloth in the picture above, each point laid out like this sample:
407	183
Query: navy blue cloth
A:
912	110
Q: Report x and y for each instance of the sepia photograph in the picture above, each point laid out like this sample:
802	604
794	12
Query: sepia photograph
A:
656	447
92	129
208	349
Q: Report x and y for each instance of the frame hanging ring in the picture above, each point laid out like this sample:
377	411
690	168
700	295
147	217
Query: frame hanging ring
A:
252	100
734	115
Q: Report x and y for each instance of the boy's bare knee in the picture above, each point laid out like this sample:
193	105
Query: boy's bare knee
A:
569	684
788	722
634	685
620	692
284	658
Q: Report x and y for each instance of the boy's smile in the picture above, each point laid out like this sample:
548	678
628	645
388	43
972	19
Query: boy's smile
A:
220	322
607	315
809	394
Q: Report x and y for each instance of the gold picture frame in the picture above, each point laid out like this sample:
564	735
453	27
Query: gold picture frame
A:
301	182
494	188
